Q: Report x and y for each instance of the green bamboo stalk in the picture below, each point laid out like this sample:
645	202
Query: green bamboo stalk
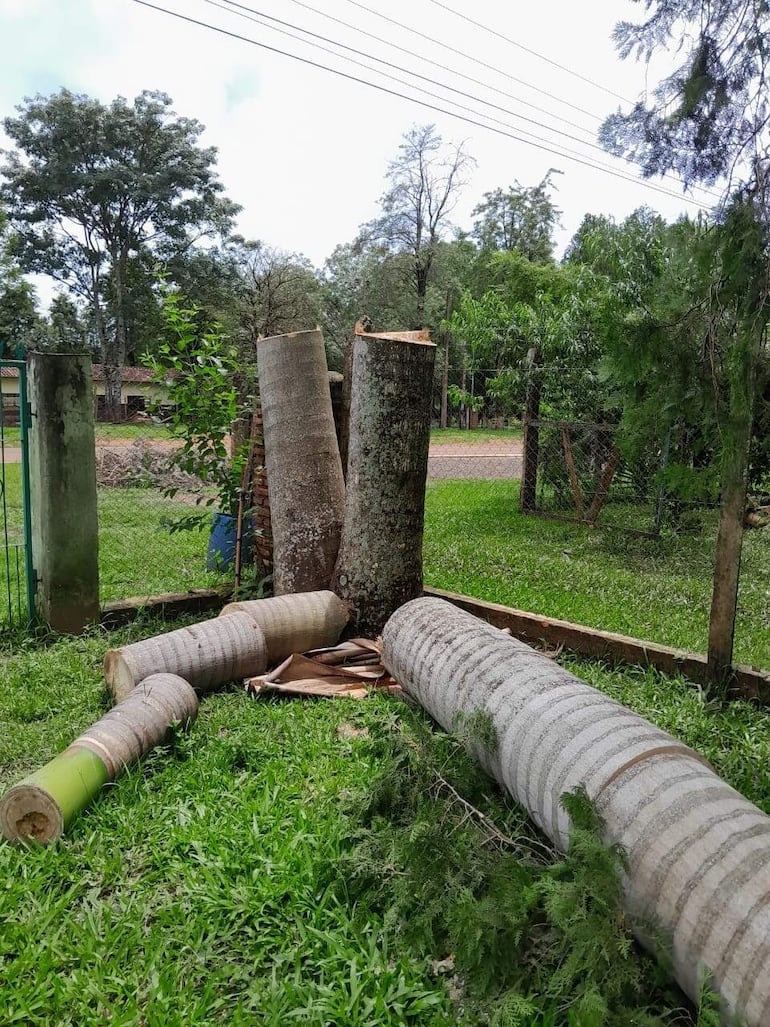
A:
42	806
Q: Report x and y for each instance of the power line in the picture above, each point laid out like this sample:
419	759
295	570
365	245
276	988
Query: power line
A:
526	49
261	18
422	103
475	60
407	71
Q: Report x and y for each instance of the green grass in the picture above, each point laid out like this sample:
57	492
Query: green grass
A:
441	436
259	871
139	555
477	542
106	432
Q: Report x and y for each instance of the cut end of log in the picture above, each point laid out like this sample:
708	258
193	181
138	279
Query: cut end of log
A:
118	674
29	814
421	336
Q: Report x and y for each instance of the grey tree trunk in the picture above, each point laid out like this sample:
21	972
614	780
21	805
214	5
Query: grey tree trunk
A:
304	472
698	852
380	561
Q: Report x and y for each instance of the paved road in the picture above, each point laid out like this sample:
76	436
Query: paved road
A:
480	460
496	458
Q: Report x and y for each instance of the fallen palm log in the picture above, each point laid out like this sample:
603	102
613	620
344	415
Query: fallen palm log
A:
41	807
295	623
697	884
304	473
207	655
380	561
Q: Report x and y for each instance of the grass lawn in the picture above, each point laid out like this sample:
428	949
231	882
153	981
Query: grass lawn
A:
139	555
106	432
301	862
441	436
477	542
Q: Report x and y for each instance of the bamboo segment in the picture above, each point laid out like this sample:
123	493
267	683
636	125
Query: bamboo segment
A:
304	472
295	623
698	852
41	807
208	654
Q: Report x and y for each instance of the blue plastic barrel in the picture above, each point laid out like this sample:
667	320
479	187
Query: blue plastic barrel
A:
221	550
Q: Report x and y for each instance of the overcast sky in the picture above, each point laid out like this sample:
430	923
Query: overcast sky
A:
304	151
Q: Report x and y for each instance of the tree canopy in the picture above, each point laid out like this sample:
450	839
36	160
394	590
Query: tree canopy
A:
90	187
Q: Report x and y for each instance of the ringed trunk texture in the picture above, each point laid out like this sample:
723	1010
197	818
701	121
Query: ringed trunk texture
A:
698	852
295	623
41	807
208	655
380	562
304	473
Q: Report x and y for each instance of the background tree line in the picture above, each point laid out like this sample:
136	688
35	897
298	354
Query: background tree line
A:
100	197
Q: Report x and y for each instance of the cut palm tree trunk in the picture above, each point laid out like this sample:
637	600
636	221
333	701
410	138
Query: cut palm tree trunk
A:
698	852
304	472
295	623
41	807
380	561
208	655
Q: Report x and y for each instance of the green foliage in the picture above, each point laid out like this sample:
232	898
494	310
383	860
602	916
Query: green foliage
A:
519	218
90	188
198	368
529	938
707	115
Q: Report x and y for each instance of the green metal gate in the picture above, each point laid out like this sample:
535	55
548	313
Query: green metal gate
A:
17	576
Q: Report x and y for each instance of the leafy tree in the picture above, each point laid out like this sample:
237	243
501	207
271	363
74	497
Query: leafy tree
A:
706	121
68	331
90	186
278	292
424	185
19	321
519	218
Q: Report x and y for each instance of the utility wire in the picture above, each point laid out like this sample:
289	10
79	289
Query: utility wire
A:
422	103
261	15
264	19
474	60
526	49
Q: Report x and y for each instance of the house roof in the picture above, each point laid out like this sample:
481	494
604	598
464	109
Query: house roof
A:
128	374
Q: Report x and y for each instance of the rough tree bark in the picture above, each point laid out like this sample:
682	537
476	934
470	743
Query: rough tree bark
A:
698	852
42	806
304	472
295	623
207	655
380	560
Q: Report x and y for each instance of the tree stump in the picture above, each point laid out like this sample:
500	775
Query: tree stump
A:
380	561
304	473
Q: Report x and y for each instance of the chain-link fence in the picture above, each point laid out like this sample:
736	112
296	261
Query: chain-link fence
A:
143	497
595	539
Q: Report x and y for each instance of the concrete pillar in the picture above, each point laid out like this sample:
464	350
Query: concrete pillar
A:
63	490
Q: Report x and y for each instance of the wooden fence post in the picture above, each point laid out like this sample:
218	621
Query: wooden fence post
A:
527	498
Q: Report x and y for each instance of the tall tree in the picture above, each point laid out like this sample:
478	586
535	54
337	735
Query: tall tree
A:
19	321
68	332
709	120
89	186
519	218
424	186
